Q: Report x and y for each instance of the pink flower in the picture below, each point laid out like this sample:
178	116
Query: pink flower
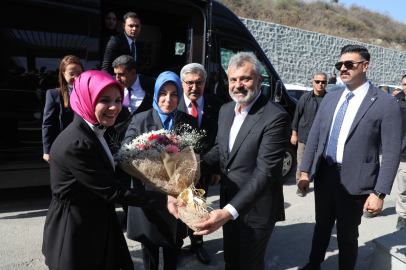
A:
143	147
171	149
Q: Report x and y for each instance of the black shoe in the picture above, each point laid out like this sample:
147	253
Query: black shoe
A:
201	255
401	223
311	266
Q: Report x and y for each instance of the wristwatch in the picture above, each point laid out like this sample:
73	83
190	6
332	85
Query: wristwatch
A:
379	194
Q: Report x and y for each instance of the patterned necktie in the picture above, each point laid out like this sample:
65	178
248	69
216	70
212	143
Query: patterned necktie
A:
126	101
194	112
331	154
133	50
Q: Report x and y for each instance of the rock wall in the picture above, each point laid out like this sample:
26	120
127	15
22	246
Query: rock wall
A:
297	54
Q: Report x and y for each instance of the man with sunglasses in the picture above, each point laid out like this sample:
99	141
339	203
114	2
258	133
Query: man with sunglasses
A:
305	113
401	175
348	131
206	109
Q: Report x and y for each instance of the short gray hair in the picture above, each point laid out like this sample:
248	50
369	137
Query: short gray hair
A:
193	68
321	73
126	61
238	59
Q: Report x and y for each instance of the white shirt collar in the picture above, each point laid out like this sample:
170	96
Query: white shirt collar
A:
360	91
246	109
199	102
136	86
99	132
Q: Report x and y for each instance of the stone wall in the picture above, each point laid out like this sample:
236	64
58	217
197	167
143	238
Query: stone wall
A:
297	54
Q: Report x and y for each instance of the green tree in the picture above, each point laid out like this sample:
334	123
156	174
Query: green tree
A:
334	1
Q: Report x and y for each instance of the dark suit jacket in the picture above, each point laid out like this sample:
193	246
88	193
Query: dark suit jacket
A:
378	121
56	118
118	130
210	118
251	175
117	46
156	228
82	230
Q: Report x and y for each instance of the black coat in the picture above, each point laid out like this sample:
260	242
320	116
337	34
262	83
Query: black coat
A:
56	118
156	228
118	46
251	175
82	230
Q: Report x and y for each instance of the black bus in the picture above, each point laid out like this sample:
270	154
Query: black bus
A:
36	34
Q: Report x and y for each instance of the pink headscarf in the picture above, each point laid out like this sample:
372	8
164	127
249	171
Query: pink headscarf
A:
86	89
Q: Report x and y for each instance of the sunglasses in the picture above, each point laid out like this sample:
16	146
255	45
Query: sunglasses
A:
347	64
322	82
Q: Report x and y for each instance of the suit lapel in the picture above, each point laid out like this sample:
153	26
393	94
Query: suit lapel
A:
182	105
207	112
155	121
253	116
85	128
329	115
369	99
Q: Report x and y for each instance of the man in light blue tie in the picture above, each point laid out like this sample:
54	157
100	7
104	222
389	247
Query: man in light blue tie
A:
343	157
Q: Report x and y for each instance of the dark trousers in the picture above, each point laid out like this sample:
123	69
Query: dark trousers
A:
334	203
150	256
245	246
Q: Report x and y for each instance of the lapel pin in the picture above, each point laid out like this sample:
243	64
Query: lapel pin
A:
208	106
372	99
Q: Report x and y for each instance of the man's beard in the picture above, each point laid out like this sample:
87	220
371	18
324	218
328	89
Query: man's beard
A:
251	95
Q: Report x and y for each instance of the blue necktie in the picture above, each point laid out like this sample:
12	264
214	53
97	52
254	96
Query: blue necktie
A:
338	122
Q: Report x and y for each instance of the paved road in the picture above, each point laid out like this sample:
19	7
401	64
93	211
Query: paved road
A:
23	211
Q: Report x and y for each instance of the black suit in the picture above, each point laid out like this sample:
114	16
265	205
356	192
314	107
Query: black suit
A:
118	46
152	228
81	229
251	179
56	118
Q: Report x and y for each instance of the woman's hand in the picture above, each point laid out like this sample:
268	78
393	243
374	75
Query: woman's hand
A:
171	205
46	158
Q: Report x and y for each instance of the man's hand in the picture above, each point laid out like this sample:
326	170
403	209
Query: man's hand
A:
216	219
293	139
171	205
46	158
215	178
373	204
303	182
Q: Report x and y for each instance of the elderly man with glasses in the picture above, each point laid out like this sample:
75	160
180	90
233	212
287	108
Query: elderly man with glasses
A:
206	109
351	126
305	113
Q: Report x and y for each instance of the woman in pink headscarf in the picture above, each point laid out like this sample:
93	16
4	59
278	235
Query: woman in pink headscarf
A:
82	230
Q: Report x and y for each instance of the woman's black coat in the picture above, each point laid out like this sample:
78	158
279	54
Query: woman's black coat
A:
154	228
82	230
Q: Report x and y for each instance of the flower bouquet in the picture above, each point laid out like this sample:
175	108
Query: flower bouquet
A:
169	164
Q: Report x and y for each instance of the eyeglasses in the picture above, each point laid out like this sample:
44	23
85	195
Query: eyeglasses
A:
322	82
191	83
347	64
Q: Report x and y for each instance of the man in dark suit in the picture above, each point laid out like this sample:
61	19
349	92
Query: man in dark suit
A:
138	97
350	127
253	133
206	109
123	44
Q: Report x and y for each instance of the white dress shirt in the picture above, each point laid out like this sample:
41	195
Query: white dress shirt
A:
137	96
99	133
235	128
130	41
199	107
352	109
